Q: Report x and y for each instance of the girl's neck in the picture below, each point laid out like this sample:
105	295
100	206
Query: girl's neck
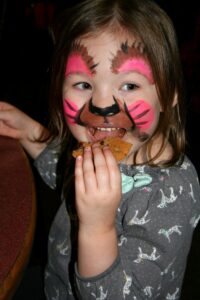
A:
142	155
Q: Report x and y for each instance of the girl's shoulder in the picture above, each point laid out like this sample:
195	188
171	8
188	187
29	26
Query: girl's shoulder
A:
173	190
153	178
184	168
182	173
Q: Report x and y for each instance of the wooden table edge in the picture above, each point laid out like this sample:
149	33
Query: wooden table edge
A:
13	278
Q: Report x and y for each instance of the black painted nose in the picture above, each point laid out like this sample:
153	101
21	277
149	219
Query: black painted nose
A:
105	111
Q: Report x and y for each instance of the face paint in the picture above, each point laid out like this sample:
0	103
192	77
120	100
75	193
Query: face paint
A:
132	58
137	65
80	61
71	111
106	111
75	64
142	114
137	117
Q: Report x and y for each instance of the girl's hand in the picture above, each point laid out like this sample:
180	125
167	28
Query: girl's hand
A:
98	190
98	193
16	124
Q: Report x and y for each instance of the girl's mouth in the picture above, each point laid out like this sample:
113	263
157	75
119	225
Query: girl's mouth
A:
100	133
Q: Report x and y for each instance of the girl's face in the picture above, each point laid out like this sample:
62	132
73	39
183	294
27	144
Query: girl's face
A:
109	90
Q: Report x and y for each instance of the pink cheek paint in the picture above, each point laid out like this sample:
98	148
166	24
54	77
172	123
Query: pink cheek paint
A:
142	114
71	111
75	64
138	65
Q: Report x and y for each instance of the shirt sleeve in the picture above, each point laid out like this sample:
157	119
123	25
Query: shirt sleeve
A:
47	162
155	225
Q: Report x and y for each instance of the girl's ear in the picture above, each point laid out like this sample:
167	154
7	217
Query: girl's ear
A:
175	100
173	103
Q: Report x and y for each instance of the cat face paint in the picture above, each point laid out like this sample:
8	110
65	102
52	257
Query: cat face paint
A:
97	99
139	115
70	111
80	62
142	113
130	58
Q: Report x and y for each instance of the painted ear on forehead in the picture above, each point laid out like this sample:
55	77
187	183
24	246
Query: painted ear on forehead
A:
79	61
132	58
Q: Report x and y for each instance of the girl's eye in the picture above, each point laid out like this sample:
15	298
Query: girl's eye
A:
129	87
82	85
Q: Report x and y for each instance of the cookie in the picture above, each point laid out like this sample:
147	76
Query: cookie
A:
118	147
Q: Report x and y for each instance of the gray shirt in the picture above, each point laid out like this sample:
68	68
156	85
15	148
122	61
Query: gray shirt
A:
159	209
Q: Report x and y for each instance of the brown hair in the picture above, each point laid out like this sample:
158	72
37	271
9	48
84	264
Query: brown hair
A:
150	25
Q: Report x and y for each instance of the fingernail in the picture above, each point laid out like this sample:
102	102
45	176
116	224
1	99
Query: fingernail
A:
79	157
87	148
95	145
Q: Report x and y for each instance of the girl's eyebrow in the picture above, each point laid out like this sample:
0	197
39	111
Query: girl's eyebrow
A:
131	58
80	61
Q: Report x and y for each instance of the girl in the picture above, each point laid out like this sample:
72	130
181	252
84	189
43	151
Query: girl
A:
116	73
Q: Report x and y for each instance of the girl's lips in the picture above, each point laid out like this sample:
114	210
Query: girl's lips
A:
99	133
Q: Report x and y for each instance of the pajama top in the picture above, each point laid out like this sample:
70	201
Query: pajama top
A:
159	209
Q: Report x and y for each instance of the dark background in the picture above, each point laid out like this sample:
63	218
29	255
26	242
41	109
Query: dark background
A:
25	59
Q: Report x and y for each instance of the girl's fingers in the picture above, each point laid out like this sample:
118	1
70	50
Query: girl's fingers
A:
96	169
105	167
101	168
79	180
5	105
8	131
113	169
88	170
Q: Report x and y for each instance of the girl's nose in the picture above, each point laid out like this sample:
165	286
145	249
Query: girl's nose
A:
104	111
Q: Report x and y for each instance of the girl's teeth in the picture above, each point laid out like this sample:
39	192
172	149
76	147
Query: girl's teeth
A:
106	129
